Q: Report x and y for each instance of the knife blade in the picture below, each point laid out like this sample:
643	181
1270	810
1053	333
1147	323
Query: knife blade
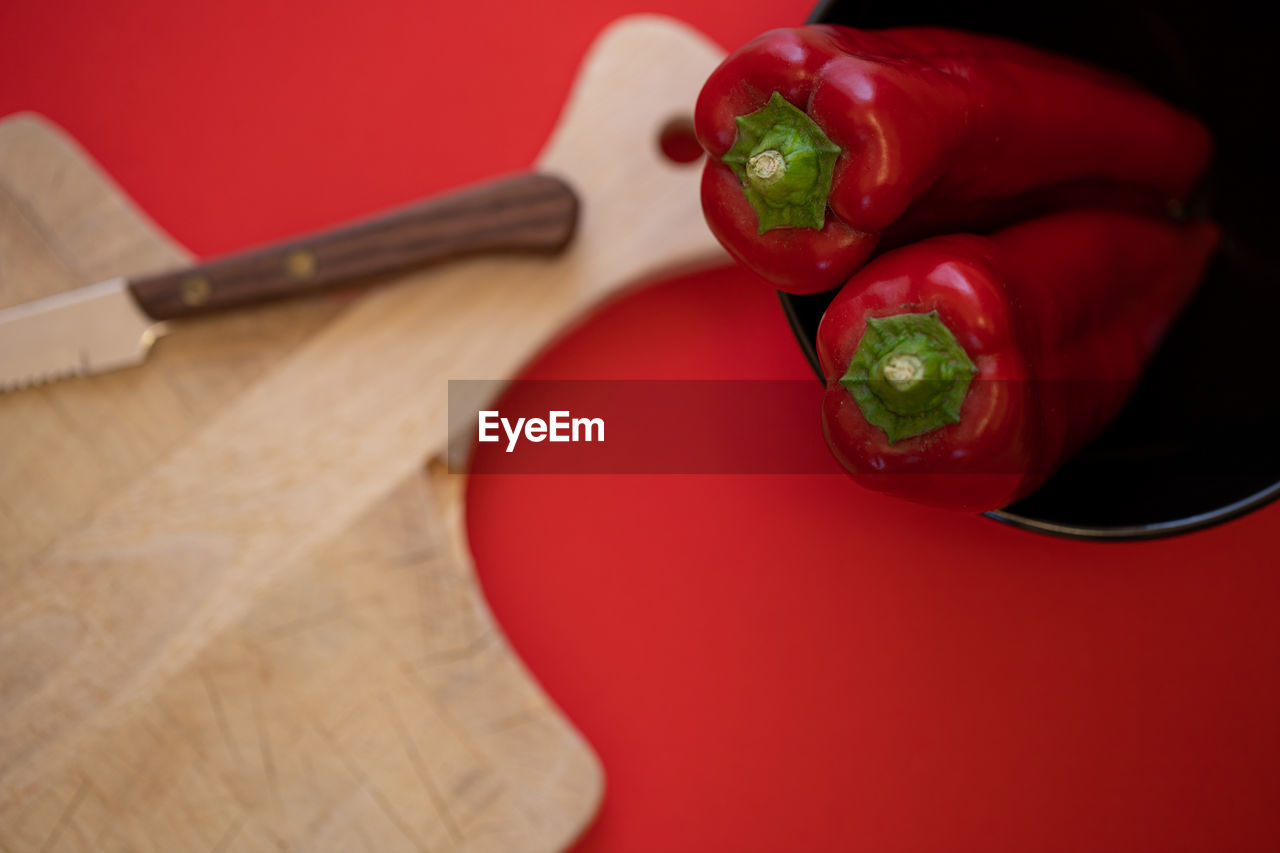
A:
89	330
113	324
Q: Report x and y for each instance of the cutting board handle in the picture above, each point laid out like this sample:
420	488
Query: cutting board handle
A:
522	213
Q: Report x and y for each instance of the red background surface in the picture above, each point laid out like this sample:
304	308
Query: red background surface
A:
763	663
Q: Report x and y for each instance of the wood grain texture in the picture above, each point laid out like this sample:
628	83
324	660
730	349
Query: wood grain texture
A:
237	613
522	213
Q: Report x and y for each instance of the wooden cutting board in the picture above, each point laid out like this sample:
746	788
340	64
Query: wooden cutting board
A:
237	608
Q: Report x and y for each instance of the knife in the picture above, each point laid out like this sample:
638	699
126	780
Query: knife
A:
113	323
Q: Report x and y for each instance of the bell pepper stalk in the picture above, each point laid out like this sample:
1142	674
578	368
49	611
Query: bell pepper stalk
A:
963	370
821	138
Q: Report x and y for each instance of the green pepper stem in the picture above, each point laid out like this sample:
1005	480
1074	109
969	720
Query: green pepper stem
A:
903	371
909	375
766	168
785	163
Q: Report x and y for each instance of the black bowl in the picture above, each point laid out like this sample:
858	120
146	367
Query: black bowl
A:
1195	446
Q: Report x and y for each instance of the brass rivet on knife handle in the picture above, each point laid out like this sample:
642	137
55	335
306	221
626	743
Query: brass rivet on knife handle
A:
300	265
195	290
523	213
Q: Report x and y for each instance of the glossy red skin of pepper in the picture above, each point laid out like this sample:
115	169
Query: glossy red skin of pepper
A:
1060	315
938	129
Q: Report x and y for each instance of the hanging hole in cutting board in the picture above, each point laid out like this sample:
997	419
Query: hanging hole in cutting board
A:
677	141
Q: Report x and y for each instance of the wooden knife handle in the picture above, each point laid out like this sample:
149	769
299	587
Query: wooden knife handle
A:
523	213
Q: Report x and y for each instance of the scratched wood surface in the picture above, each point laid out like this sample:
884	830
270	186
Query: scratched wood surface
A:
237	609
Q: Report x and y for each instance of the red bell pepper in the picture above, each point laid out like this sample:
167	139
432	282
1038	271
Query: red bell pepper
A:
821	138
962	370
